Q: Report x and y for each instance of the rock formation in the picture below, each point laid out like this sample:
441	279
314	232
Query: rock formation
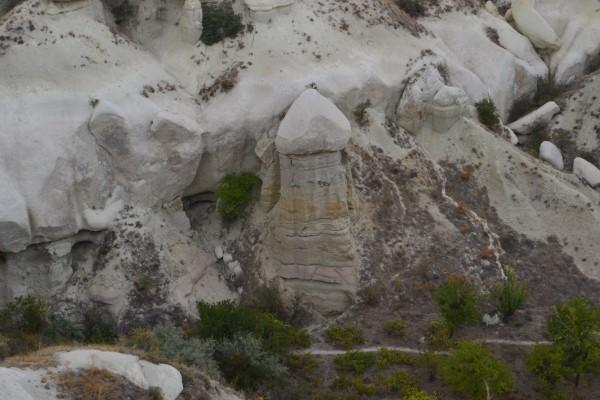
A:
310	238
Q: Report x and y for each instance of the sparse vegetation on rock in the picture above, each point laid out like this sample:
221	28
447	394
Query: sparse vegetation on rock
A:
510	295
219	21
488	115
235	194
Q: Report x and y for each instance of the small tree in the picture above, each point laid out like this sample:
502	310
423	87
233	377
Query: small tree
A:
219	21
573	328
472	370
546	363
510	295
456	301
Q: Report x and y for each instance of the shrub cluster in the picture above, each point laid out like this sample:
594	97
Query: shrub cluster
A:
219	21
395	327
344	336
235	194
27	324
510	295
456	301
488	115
575	350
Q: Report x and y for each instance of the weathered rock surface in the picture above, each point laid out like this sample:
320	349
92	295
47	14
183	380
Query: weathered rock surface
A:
267	5
310	236
38	382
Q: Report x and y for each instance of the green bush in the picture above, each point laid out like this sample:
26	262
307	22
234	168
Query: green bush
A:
99	325
510	295
173	345
370	295
488	115
399	381
537	134
360	113
355	362
268	299
387	357
395	327
226	319
25	315
414	8
439	335
303	365
456	301
472	370
547	90
219	21
245	363
573	329
546	363
344	336
235	194
352	387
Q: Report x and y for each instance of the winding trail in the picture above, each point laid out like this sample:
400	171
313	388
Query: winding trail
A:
412	350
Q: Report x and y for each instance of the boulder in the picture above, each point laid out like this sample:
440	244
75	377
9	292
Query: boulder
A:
139	372
587	171
541	116
313	124
550	153
531	24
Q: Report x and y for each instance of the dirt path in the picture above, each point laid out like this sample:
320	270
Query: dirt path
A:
411	350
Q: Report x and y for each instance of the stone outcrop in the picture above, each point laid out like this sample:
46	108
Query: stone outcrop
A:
310	237
541	116
267	5
534	26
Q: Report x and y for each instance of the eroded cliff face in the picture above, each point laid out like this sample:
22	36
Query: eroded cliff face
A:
357	117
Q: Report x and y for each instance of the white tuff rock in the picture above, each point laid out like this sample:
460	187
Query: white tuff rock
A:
139	372
550	153
541	116
267	5
313	124
534	26
587	171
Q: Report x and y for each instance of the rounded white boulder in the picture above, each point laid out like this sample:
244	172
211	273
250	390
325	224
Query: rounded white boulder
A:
587	171
531	24
550	153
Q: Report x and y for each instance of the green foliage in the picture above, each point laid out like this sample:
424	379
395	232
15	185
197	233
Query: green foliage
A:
143	339
344	336
235	194
268	299
429	361
303	365
510	295
245	363
398	381
355	362
472	370
155	393
219	21
537	135
417	394
226	319
360	113
573	329
370	295
28	315
547	364
99	326
387	357
439	335
414	8
351	386
488	115
547	90
457	303
395	327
